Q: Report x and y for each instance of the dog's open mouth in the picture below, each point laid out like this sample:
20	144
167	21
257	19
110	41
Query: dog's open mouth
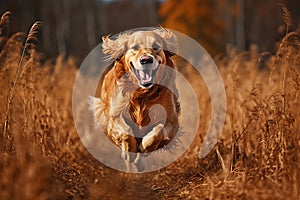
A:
145	77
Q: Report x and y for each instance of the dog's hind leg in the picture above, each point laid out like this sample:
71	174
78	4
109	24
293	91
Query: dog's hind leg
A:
128	147
126	156
139	163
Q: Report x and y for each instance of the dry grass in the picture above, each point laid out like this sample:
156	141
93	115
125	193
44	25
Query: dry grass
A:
257	156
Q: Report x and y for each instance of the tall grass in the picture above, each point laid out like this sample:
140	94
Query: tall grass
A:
27	46
257	156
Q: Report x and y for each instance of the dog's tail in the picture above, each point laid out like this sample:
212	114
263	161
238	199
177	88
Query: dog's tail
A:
97	106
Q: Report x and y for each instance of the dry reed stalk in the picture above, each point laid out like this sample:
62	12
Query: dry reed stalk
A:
4	24
283	48
4	28
29	44
287	20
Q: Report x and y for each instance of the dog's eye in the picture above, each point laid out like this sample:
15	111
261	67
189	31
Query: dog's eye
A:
135	47
155	47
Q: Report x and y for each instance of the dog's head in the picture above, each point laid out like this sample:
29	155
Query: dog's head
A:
142	53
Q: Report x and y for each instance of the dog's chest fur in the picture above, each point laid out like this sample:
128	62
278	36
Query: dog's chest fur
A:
140	109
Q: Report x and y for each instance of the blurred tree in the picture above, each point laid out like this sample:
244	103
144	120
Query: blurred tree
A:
215	23
76	26
262	20
197	19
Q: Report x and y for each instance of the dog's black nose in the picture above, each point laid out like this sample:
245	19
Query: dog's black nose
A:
146	60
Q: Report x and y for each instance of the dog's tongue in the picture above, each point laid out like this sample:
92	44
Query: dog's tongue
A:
145	75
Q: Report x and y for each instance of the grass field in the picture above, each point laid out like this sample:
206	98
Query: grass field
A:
256	157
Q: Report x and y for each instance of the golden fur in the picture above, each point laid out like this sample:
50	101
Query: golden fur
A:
136	102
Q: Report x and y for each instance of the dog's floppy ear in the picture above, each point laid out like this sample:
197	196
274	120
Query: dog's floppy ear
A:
170	40
115	48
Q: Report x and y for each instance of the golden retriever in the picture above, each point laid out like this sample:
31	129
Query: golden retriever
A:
136	103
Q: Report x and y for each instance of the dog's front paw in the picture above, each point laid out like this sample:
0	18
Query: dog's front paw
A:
151	141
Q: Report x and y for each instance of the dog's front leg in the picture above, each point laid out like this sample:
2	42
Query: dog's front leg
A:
123	135
153	139
128	144
132	159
